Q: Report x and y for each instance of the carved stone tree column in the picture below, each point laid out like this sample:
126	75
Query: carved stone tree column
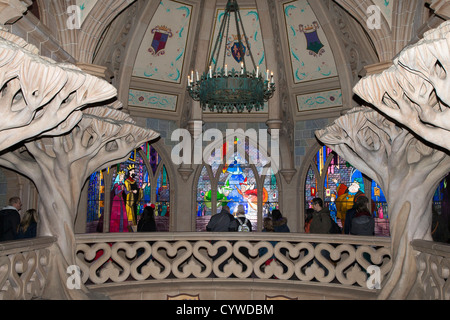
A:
415	91
56	136
407	157
59	165
407	171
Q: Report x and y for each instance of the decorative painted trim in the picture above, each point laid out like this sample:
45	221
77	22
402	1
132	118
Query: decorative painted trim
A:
319	100
153	100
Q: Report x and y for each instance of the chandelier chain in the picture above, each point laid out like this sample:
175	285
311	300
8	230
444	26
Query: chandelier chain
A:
221	90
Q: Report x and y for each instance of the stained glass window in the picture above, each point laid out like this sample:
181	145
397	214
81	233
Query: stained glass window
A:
203	200
271	192
341	184
440	227
131	187
162	209
96	196
237	184
130	179
310	187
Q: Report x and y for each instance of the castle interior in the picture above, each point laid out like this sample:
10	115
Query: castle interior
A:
189	107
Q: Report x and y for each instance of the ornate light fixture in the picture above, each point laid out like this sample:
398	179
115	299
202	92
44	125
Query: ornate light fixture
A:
237	89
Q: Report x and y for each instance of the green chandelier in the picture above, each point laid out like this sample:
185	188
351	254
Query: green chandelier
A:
238	90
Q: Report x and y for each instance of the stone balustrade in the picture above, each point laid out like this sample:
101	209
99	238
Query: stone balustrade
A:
23	268
433	264
329	260
108	260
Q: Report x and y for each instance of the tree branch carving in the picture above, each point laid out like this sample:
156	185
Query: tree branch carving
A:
403	143
39	94
415	91
57	129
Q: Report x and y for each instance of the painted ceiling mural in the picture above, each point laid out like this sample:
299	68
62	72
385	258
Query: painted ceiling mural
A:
311	54
250	20
252	27
161	55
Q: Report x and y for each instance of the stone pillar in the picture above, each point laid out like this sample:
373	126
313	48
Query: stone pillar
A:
274	121
202	58
186	185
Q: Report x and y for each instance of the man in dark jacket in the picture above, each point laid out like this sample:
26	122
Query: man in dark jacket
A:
10	220
222	222
321	221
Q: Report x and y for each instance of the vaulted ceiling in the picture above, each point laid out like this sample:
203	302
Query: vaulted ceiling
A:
316	49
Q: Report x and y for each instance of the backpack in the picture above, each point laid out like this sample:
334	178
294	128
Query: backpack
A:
243	227
363	226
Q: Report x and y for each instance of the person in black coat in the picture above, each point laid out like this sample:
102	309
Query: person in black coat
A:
147	222
222	222
279	222
10	220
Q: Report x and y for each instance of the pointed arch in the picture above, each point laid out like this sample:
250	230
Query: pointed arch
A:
80	43
332	175
240	178
153	174
381	37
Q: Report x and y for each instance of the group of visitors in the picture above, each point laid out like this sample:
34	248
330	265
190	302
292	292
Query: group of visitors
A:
358	219
13	226
226	222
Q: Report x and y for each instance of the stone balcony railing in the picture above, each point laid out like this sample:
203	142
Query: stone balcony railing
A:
433	264
120	261
23	268
339	261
